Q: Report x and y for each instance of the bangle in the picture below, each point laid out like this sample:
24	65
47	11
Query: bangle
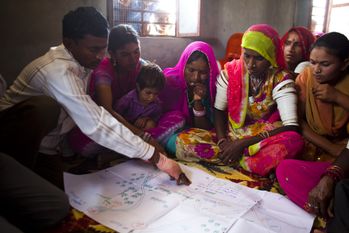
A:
199	113
264	134
221	141
335	172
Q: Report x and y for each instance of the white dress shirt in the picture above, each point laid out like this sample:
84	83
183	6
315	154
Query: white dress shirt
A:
58	75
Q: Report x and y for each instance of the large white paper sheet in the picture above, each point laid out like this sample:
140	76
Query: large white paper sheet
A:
134	197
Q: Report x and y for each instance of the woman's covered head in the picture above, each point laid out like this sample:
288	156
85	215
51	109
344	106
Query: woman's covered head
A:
296	46
265	40
196	52
329	57
123	46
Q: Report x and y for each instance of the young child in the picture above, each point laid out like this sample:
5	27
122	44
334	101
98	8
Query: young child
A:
141	106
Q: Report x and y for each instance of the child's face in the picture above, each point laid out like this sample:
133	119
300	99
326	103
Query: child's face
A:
147	95
326	66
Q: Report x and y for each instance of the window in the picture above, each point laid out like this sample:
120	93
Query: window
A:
157	17
330	15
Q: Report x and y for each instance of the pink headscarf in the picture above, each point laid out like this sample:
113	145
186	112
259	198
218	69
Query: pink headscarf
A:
176	83
306	39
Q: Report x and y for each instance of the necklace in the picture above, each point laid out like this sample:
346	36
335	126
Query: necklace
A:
255	84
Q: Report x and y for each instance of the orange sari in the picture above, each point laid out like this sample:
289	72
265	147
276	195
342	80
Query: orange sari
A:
326	119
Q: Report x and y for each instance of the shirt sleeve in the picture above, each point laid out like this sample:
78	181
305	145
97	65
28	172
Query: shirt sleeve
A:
221	102
94	121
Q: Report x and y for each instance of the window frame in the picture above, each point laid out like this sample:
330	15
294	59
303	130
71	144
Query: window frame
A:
178	33
327	16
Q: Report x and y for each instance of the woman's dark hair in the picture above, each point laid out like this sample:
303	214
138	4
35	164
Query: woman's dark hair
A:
196	56
151	76
336	43
84	21
120	35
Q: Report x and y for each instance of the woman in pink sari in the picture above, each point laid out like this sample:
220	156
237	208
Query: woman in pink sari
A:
189	93
259	98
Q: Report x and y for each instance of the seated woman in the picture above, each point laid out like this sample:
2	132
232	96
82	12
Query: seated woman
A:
323	98
324	93
233	49
251	92
296	45
190	89
113	78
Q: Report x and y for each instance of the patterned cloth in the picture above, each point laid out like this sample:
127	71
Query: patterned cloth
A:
250	116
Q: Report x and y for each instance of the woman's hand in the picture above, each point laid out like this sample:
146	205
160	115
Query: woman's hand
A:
320	196
199	91
231	151
336	149
325	92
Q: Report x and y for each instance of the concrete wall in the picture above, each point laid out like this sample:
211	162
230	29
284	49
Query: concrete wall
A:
29	28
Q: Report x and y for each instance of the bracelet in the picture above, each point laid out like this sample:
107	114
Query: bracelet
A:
335	172
199	113
221	141
264	134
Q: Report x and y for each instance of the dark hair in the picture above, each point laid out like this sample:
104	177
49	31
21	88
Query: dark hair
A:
151	76
120	35
196	56
84	21
336	43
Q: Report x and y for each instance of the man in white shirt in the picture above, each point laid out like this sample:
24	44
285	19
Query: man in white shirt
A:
49	97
